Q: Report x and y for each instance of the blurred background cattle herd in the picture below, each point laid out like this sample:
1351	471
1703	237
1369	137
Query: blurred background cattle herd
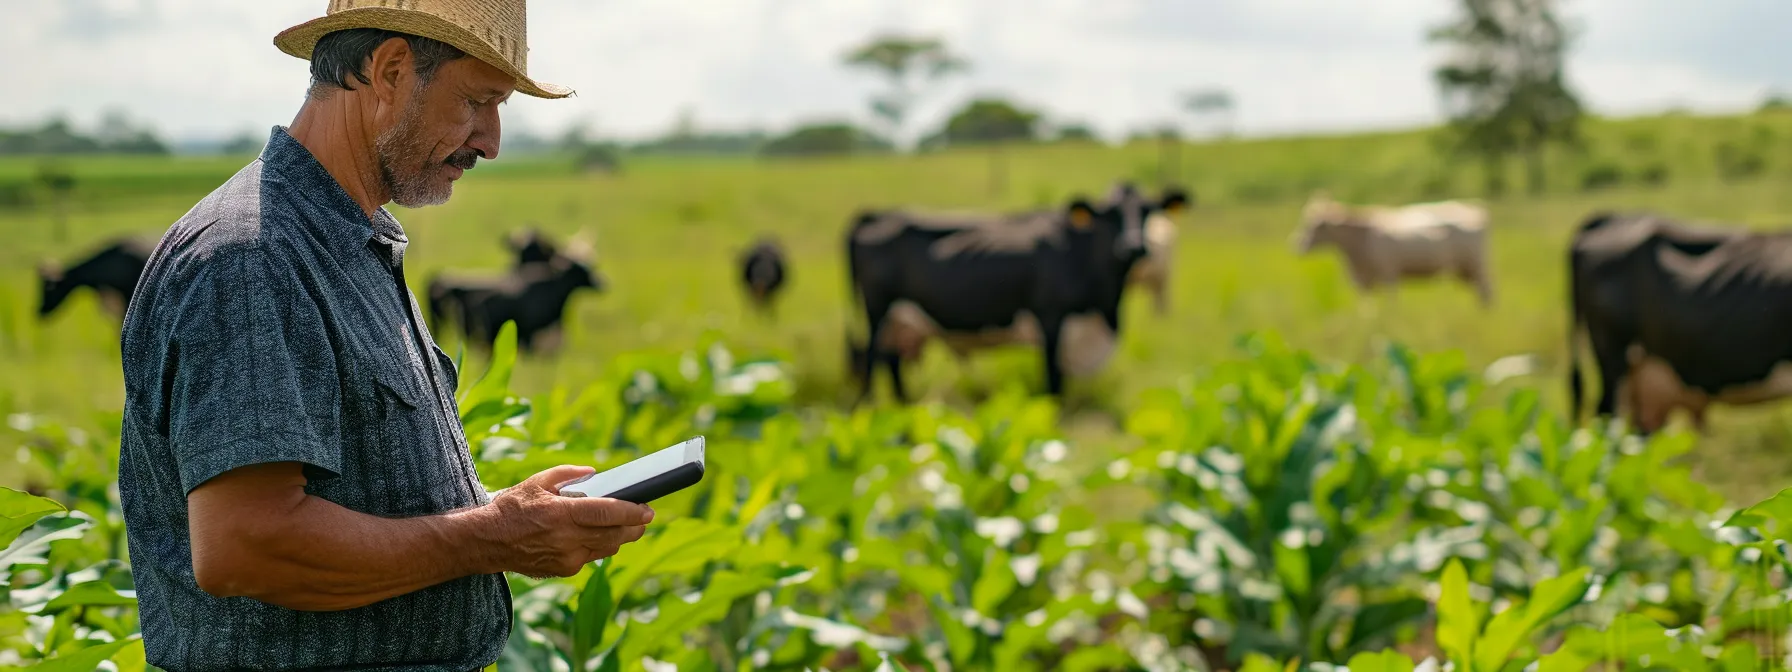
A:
1524	230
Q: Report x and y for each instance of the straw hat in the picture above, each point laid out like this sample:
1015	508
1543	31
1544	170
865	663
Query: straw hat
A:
493	31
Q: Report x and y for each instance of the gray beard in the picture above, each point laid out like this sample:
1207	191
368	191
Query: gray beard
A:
404	164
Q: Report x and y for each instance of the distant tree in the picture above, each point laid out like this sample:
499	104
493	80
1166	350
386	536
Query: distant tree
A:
56	136
910	64
993	123
1075	132
1503	85
118	135
824	139
1213	105
247	143
990	120
1775	102
589	155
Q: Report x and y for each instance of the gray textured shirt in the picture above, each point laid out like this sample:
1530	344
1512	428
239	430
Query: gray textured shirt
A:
272	325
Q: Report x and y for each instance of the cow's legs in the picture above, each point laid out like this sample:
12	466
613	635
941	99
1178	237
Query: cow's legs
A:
1614	365
1475	273
876	309
894	363
1160	296
1051	328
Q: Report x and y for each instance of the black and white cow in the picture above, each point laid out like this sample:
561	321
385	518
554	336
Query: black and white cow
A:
977	281
1679	315
762	273
111	271
533	293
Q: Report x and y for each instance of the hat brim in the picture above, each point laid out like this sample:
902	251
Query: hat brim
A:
299	40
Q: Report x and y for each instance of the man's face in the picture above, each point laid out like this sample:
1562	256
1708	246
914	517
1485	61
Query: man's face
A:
446	125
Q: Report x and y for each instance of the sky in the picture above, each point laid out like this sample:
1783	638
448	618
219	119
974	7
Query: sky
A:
207	68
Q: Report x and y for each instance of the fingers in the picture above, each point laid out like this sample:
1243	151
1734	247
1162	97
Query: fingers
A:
552	479
611	540
606	512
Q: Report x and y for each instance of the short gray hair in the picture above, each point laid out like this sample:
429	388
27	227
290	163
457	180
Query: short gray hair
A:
343	54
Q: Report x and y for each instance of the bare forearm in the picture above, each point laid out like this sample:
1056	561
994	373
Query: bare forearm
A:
320	556
257	534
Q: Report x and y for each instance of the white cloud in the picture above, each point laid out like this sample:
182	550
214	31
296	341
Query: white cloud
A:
208	67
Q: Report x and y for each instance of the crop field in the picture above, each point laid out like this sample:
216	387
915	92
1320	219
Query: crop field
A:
1278	471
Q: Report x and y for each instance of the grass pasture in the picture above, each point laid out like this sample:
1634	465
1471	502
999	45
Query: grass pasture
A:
1277	475
667	231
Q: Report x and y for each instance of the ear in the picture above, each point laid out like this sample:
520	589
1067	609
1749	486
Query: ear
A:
389	71
1174	201
1081	214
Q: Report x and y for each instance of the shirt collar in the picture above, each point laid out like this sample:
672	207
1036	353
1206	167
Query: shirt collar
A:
350	230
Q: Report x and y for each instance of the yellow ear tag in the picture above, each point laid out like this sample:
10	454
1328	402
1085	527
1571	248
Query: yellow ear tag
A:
1080	219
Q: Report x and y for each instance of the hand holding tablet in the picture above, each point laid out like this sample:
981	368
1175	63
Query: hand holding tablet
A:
645	478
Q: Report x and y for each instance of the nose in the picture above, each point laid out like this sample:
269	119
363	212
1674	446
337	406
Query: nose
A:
487	130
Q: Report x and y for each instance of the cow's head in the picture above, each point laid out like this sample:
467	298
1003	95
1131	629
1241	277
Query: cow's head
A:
530	245
1319	222
1122	216
577	263
56	288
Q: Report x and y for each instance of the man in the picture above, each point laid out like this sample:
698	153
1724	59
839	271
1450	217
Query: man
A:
296	487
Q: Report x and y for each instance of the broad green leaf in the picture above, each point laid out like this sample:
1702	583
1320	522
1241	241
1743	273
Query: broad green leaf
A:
1740	657
684	545
131	658
1292	563
1510	628
89	594
1380	621
1257	662
33	545
961	640
591	615
495	382
677	616
1776	509
612	661
765	487
1629	640
886	665
85	660
1385	661
995	583
18	510
1457	621
835	634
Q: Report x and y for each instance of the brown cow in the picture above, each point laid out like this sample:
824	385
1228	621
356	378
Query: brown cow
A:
1384	245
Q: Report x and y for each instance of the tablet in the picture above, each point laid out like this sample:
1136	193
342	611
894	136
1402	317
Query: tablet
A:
645	478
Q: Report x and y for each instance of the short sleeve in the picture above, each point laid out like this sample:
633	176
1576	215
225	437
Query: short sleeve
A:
254	376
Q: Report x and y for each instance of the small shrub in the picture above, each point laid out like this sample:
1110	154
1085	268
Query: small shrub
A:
599	159
15	196
1601	175
1655	174
1736	163
1642	142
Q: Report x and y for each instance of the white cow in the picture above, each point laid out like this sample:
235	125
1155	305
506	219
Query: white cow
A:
1385	245
1153	272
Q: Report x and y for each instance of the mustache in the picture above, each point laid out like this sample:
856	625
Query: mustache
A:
463	158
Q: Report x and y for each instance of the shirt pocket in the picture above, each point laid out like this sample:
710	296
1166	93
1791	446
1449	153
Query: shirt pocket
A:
401	458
